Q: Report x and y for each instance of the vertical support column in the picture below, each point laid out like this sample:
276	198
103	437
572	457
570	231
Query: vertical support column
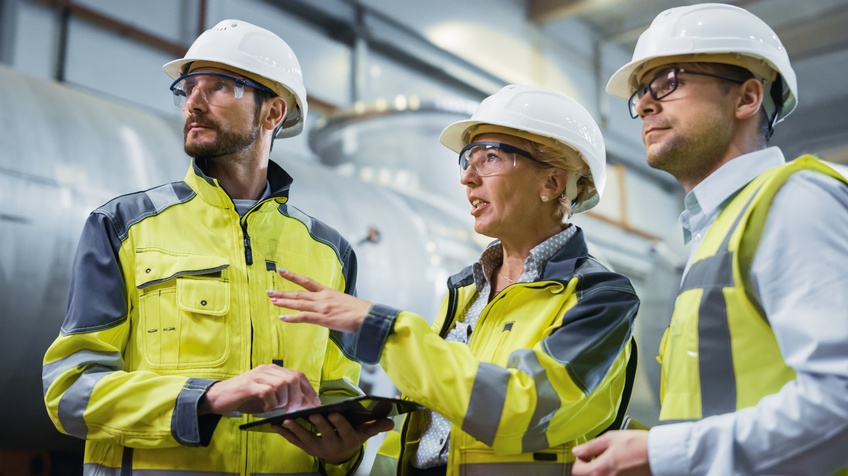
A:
63	12
359	60
7	30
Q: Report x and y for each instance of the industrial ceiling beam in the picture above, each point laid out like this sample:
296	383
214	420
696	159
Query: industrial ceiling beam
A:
546	11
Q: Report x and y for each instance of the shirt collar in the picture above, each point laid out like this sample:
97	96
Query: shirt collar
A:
710	196
492	257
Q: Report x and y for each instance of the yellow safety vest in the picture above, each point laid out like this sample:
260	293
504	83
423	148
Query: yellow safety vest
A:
719	354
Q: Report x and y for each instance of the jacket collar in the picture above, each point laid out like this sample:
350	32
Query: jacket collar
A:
211	192
560	267
562	264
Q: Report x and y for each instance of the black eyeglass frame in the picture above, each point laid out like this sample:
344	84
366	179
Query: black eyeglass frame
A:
239	81
464	162
640	92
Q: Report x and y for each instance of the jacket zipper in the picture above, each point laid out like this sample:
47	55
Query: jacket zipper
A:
449	316
248	251
403	431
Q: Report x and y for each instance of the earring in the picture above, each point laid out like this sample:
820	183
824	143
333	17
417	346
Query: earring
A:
545	198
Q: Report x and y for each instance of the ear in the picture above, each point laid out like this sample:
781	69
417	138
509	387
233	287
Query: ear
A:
274	111
750	100
554	184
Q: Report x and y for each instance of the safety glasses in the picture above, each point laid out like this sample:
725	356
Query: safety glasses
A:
489	158
216	89
665	83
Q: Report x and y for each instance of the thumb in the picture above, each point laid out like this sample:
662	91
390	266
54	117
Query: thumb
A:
592	448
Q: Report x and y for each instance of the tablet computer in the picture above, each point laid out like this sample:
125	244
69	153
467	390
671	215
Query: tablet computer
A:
356	410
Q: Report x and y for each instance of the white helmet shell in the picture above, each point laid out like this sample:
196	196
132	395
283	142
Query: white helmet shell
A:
545	113
712	33
258	54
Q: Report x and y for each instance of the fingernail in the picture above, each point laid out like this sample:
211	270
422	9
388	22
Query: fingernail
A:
281	270
282	317
269	292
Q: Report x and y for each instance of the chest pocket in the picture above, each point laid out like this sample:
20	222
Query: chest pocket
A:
183	305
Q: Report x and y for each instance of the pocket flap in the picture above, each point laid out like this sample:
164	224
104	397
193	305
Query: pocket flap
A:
203	296
156	266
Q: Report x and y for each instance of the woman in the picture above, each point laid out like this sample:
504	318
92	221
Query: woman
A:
527	357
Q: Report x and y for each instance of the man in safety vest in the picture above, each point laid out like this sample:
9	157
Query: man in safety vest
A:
755	361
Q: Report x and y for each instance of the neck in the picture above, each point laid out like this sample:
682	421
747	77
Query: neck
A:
242	176
743	143
517	249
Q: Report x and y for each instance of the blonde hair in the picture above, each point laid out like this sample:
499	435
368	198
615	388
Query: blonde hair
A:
561	156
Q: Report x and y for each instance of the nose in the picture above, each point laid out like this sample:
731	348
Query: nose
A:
195	100
645	105
469	176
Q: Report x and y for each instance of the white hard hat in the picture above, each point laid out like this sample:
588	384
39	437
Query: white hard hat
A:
544	113
258	54
711	33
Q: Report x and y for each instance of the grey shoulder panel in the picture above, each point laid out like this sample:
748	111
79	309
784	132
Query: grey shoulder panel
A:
323	233
98	297
127	210
596	329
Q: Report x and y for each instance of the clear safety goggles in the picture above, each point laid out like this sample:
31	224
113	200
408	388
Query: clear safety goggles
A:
489	158
216	89
665	83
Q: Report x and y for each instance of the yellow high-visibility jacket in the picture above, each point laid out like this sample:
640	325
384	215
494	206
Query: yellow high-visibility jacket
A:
719	354
543	371
168	296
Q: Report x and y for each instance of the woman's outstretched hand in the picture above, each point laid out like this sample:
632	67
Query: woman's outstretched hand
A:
319	304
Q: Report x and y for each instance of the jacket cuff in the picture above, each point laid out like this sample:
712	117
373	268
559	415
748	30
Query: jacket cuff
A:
372	334
187	427
346	468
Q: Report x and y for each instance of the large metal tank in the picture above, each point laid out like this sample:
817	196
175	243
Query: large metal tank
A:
396	144
63	154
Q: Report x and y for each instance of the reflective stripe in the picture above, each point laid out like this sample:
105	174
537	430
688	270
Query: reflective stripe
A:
91	469
75	400
488	396
715	358
50	372
162	197
715	355
547	399
511	469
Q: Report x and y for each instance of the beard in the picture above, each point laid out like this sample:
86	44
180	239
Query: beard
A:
693	156
227	141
